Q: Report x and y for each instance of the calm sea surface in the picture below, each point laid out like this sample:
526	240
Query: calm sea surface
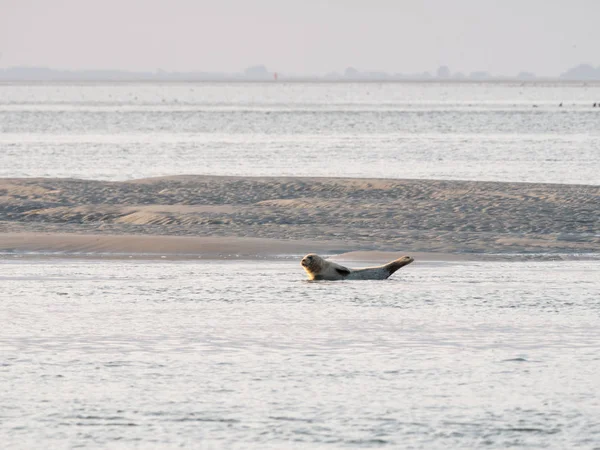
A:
474	131
233	354
122	354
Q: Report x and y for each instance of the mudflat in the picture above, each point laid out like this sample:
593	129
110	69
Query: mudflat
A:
211	215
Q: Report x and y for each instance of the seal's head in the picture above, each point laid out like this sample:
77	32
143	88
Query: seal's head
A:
312	263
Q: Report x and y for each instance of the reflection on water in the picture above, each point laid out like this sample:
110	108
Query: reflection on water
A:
249	355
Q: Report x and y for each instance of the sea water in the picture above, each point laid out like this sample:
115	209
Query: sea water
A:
525	132
247	354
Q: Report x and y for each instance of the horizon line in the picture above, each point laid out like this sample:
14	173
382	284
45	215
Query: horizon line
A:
259	72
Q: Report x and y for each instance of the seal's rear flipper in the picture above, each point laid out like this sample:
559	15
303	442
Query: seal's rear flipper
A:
342	271
397	264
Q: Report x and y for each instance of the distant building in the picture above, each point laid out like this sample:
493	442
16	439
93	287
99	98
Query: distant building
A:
257	73
443	72
582	72
351	72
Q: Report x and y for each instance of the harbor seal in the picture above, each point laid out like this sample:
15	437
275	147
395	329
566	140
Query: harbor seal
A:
318	268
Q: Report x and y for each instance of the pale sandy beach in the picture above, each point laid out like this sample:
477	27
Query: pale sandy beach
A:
245	217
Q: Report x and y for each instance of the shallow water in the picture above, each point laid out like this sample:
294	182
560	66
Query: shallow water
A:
214	354
468	131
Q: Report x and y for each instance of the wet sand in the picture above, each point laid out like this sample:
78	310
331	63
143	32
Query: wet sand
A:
207	216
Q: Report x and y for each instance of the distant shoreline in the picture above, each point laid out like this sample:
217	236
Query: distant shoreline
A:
511	81
260	73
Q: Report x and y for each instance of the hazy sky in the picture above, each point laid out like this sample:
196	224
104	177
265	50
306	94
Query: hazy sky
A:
302	36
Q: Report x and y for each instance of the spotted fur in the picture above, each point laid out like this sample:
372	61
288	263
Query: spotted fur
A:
318	268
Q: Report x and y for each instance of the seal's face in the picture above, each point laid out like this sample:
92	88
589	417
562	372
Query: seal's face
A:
312	263
404	261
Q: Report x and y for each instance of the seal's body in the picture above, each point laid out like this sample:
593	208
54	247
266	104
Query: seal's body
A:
318	268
